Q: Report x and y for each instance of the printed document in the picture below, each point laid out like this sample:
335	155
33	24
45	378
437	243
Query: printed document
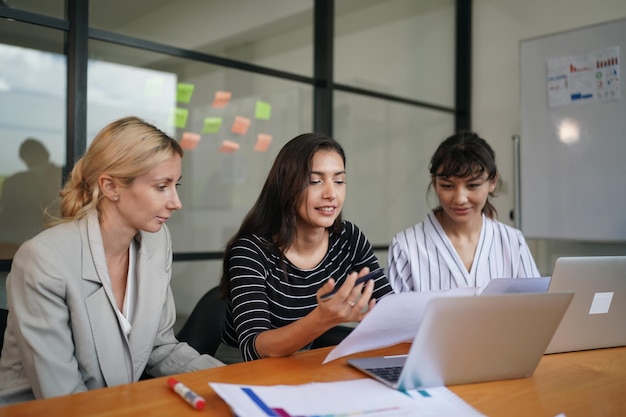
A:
344	398
394	319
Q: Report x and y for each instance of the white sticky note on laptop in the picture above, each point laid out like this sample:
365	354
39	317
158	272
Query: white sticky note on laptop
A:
601	303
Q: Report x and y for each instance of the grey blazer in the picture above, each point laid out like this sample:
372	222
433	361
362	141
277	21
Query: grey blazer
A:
63	334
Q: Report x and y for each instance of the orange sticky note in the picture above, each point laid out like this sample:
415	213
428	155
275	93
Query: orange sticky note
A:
240	125
221	98
228	146
263	141
189	140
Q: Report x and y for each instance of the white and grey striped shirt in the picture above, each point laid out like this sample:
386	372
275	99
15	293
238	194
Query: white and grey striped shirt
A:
422	258
262	299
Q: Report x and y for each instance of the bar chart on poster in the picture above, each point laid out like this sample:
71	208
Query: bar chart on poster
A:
573	135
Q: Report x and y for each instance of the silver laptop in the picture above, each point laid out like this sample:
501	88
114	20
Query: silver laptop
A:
473	339
596	317
515	285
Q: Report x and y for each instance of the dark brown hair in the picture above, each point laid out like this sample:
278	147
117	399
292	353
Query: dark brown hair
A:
274	215
466	154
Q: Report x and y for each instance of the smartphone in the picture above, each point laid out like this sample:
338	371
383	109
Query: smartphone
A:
371	275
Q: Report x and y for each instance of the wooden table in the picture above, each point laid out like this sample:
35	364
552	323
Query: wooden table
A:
590	383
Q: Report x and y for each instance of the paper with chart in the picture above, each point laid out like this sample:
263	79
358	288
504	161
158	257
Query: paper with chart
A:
394	319
592	77
358	397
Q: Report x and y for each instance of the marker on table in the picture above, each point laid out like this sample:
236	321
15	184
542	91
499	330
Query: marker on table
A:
186	394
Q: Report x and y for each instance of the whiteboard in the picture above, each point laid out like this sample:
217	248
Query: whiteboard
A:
573	189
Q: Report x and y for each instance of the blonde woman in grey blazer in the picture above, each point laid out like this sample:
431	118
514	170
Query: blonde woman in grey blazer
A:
89	299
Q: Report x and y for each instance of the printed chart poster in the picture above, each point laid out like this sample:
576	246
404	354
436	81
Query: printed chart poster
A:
592	78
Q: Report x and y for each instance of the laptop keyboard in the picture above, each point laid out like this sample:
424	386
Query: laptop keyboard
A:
390	373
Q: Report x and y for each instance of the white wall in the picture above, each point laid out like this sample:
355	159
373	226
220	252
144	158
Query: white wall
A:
498	28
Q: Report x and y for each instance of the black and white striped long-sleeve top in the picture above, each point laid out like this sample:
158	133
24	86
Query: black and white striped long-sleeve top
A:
422	258
262	299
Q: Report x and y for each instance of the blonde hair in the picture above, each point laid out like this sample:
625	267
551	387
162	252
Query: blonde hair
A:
124	149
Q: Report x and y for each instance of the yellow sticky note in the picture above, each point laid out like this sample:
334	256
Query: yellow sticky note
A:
240	125
180	117
189	140
184	92
228	146
212	124
221	98
263	141
263	110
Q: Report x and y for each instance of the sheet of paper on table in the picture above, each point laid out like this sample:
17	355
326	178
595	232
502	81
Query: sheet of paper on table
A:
394	319
353	398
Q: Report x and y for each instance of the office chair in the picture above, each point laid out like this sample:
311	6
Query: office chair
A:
203	328
3	325
332	337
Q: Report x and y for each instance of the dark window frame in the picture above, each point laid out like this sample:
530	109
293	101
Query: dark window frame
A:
78	34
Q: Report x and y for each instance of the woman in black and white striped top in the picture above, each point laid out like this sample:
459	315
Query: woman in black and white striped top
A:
291	248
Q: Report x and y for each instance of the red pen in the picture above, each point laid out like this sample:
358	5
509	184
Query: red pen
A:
186	394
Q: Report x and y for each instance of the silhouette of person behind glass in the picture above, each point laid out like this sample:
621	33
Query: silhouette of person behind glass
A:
26	194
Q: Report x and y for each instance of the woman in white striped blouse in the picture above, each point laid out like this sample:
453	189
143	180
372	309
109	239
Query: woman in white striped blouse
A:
460	243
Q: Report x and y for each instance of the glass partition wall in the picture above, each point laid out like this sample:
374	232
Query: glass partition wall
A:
33	76
232	81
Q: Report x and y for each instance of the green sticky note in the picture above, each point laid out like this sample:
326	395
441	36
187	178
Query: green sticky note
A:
184	92
263	110
180	117
212	124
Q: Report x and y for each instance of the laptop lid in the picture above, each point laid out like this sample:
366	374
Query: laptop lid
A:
515	285
475	339
596	316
